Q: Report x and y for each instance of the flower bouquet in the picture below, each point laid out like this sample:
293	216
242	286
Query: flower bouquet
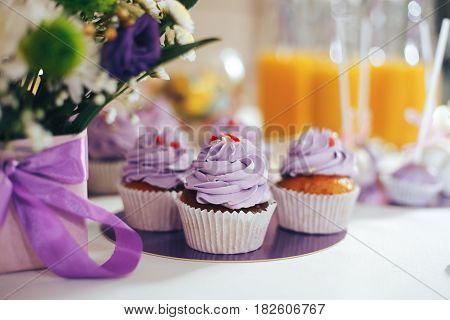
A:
61	62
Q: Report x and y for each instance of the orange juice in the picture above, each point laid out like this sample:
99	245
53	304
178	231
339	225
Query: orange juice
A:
299	88
285	84
327	110
395	87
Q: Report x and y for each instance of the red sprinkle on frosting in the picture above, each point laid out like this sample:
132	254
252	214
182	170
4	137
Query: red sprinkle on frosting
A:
214	138
159	140
233	137
175	144
331	142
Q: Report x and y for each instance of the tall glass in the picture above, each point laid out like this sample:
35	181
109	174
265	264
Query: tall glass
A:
298	64
297	70
287	63
398	77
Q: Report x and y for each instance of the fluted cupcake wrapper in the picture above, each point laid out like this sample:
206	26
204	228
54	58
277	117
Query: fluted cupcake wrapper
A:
409	193
104	176
312	213
226	232
150	210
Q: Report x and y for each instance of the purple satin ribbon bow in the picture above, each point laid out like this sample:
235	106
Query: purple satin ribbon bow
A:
34	187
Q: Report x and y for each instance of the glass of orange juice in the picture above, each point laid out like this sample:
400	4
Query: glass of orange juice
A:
298	77
298	80
287	62
398	77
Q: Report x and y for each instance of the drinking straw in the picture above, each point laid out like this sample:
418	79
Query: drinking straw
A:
431	92
427	50
344	86
364	81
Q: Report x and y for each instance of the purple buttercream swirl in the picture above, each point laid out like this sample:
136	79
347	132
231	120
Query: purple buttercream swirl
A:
230	173
159	159
318	152
111	141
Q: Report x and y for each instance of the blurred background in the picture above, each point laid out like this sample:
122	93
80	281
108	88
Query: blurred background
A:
279	62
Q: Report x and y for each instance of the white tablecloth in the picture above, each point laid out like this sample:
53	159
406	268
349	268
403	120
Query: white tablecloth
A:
389	253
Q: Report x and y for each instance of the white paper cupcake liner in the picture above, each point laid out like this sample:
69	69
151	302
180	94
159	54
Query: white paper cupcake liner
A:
224	232
411	194
104	176
312	213
150	210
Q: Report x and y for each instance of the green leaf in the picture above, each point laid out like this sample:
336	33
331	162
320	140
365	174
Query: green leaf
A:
171	52
165	22
188	3
84	118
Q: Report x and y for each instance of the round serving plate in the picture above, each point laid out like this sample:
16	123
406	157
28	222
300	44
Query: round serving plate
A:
279	244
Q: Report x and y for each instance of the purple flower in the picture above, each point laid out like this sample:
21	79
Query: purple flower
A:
134	50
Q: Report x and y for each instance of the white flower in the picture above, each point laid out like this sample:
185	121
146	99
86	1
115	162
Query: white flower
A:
111	115
133	84
39	114
3	84
134	118
16	18
62	96
89	75
178	12
14	68
134	96
169	36
40	138
155	12
99	99
183	36
104	82
160	73
10	100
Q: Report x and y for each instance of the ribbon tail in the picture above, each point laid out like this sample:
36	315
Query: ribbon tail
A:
6	188
55	246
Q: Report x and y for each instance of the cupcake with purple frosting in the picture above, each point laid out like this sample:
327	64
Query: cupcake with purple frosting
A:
227	206
152	178
413	185
317	192
111	134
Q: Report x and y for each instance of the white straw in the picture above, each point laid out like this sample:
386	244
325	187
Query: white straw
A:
344	86
364	81
431	93
427	50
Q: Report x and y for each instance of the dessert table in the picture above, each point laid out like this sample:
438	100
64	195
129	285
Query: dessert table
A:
388	253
